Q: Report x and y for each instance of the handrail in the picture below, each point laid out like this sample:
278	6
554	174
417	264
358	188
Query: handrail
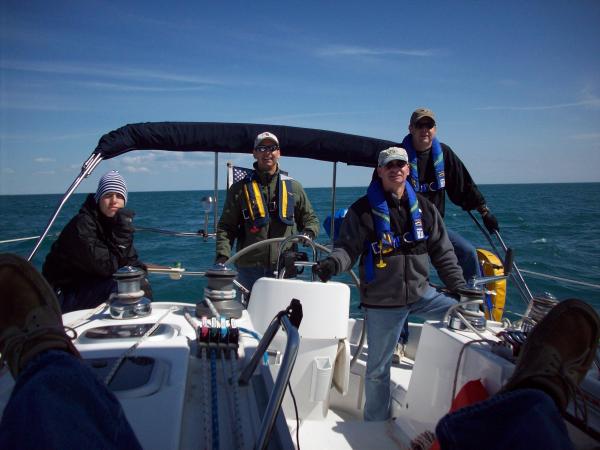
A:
88	166
283	377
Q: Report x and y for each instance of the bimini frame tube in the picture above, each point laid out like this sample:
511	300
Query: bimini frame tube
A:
86	170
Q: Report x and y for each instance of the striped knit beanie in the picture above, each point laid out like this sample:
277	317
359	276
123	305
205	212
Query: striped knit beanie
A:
111	182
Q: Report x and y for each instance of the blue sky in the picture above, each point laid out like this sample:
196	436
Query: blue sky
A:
515	85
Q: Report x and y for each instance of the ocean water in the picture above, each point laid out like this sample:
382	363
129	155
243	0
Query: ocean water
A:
552	229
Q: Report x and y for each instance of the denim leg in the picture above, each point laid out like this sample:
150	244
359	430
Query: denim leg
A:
516	420
247	276
58	403
383	331
466	254
433	305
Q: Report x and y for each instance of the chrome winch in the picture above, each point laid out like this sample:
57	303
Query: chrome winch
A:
129	301
538	307
221	294
469	309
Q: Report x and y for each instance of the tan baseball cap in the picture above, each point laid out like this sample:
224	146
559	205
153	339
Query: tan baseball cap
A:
420	113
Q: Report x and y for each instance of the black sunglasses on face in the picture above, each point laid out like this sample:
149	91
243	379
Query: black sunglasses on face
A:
395	163
267	148
427	124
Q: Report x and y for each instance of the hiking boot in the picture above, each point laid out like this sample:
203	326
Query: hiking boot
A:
558	352
30	317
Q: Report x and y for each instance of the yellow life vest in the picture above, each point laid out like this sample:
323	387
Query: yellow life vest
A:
256	210
491	265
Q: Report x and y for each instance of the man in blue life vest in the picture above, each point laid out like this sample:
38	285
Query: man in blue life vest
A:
394	232
266	204
436	170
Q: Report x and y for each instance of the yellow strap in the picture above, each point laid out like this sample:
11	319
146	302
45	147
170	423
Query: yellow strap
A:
248	202
258	197
283	199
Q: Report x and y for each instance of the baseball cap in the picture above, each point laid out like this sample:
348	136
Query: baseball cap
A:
263	136
420	113
391	154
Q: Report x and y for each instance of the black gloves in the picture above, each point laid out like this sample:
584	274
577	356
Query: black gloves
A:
309	234
490	222
325	269
221	260
123	227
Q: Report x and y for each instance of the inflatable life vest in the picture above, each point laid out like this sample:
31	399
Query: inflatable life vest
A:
387	241
438	166
491	265
257	211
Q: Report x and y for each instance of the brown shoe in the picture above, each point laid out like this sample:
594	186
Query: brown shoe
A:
558	352
30	317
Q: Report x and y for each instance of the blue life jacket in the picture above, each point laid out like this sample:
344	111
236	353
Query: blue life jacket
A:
386	240
438	165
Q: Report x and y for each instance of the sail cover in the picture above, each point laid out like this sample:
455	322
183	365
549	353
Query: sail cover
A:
239	138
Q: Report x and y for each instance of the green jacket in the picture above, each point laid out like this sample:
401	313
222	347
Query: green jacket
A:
232	226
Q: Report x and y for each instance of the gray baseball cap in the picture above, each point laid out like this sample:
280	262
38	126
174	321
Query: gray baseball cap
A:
391	154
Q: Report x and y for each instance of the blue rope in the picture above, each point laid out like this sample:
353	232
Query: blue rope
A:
214	397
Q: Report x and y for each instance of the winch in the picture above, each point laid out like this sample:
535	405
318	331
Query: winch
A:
129	301
469	308
537	309
221	293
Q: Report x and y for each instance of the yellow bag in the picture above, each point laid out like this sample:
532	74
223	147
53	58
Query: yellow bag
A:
491	266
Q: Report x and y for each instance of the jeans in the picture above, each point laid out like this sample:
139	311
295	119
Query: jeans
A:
466	254
58	403
247	276
516	420
383	330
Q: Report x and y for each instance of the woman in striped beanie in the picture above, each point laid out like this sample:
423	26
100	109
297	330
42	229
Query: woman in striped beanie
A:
93	245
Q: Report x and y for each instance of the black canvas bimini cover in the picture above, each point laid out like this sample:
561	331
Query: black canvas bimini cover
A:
239	138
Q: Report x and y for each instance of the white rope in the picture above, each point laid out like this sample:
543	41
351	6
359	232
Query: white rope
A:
87	317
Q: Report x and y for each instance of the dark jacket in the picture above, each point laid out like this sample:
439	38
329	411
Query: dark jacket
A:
460	187
232	226
90	248
406	277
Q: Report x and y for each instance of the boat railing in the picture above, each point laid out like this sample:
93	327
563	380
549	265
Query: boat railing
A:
290	319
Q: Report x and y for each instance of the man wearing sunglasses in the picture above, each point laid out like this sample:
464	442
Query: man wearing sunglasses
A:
266	204
394	233
436	170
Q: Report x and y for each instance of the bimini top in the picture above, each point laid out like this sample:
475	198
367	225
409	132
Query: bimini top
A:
239	138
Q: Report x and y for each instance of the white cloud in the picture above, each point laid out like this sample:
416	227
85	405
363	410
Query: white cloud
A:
106	71
346	50
43	159
137	169
8	170
592	102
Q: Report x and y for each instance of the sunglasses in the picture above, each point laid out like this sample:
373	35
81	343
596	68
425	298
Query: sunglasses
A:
426	124
267	148
395	163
